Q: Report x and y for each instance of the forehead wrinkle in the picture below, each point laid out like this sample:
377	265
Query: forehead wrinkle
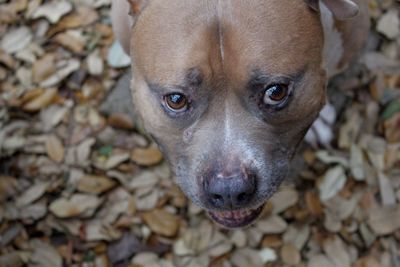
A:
220	33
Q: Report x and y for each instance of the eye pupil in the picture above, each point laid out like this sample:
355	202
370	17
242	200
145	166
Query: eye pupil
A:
176	102
275	93
176	98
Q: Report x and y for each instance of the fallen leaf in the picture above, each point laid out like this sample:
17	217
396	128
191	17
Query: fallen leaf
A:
43	68
95	63
249	258
290	255
386	190
337	252
284	199
72	40
272	241
389	24
78	205
32	194
14	259
384	220
95	184
82	16
55	149
314	204
320	261
42	101
53	11
117	58
162	222
16	40
146	157
64	68
272	225
44	255
297	235
121	121
333	181
268	255
357	163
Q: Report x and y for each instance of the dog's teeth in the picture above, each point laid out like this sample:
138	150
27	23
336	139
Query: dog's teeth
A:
236	214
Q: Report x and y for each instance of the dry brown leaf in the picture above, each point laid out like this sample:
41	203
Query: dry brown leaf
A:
64	68
290	255
357	163
121	121
247	257
162	222
77	205
314	204
53	11
389	24
8	187
71	40
386	190
392	128
95	184
284	199
95	63
43	68
44	255
319	261
333	181
337	252
14	259
147	157
384	220
32	194
272	225
42	101
297	235
272	241
82	16
55	148
16	40
7	60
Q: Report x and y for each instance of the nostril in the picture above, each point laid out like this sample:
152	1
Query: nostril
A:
242	197
216	197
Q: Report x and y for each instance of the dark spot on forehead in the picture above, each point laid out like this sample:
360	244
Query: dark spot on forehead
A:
193	77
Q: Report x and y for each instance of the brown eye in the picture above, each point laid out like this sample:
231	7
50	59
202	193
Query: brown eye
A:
176	102
275	94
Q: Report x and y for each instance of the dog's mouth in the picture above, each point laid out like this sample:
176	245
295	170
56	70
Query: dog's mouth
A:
236	218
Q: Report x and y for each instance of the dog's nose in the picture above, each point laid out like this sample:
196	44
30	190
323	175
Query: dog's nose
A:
233	192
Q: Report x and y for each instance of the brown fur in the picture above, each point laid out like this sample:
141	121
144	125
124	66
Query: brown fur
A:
226	43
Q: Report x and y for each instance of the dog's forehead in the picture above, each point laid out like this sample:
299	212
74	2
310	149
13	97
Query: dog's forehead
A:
277	36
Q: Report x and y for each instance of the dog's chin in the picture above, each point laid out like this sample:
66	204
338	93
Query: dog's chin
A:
236	218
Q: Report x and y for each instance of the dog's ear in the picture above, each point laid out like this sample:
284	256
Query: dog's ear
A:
341	9
136	6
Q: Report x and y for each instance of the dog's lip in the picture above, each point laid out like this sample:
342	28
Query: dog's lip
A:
236	218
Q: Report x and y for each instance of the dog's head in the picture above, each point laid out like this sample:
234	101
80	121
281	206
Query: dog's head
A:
228	89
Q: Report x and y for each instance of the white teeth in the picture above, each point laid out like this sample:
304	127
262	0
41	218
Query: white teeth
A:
237	214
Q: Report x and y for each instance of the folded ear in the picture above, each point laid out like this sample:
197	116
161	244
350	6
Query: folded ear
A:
137	6
341	9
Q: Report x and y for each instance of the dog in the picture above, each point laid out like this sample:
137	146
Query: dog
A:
228	89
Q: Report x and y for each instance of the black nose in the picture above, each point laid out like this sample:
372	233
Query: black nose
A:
233	192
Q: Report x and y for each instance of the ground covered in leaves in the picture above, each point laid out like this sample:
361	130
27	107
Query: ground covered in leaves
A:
82	185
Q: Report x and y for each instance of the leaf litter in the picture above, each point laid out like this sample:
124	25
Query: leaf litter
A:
81	185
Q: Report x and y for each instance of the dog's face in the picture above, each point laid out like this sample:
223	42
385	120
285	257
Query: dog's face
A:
228	89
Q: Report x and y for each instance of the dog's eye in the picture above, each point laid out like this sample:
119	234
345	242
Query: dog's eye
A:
176	102
275	94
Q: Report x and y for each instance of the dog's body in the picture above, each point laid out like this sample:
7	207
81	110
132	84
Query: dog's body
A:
228	88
